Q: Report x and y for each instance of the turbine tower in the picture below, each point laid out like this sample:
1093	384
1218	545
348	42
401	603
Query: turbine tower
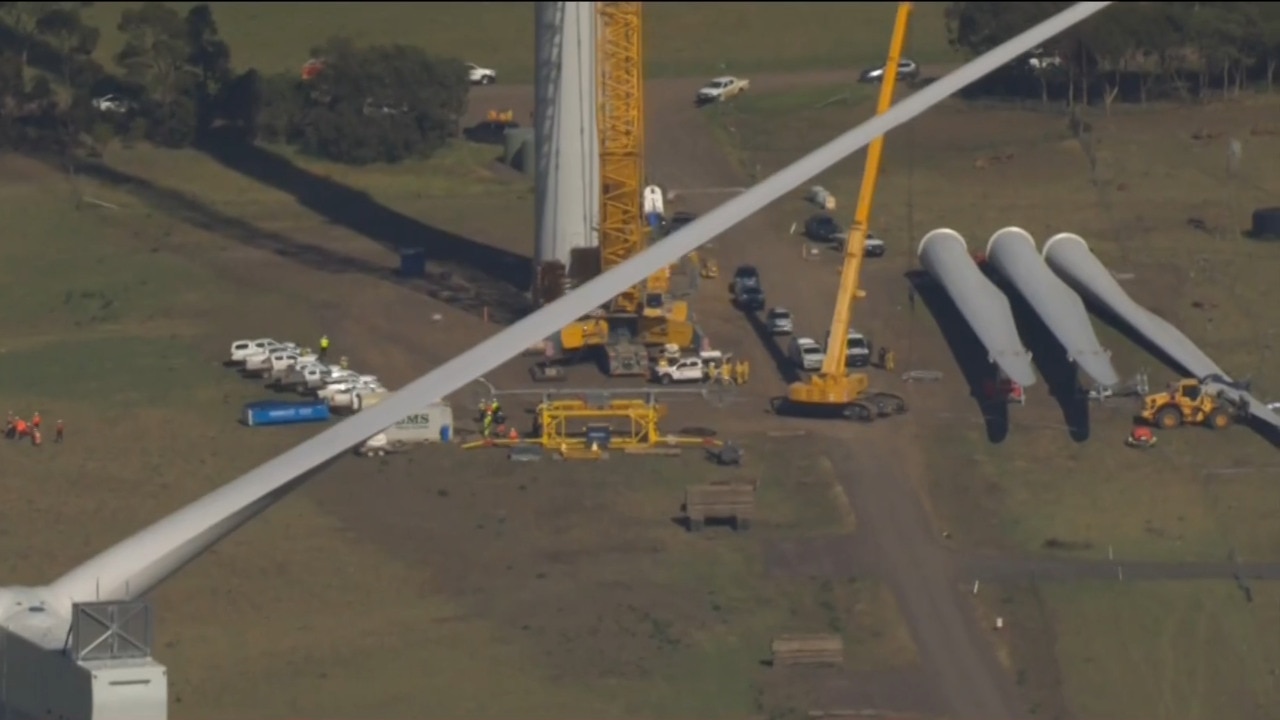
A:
567	147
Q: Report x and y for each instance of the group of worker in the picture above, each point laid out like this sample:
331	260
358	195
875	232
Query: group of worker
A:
18	428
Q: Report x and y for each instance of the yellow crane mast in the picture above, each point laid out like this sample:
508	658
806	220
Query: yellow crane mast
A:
621	125
643	316
833	388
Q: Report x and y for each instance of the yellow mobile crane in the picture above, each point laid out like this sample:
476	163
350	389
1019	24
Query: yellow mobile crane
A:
833	390
643	316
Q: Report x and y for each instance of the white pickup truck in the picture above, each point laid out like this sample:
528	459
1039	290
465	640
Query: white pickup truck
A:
358	398
347	383
283	363
307	376
721	89
259	364
243	349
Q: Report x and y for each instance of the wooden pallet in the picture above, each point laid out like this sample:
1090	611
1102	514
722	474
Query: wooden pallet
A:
789	650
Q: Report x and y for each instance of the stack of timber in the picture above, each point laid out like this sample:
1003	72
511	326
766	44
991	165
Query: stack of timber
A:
734	502
808	650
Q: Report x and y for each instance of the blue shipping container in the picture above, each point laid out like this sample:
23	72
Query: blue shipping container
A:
272	412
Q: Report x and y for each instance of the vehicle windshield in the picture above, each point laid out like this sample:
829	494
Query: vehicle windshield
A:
780	314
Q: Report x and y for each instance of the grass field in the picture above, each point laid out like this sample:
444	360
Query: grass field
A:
568	594
682	39
1184	650
1200	494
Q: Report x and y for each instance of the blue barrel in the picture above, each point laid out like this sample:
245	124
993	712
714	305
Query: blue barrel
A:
273	412
446	433
413	263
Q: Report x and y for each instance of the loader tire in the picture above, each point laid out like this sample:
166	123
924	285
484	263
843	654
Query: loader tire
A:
1219	419
1168	418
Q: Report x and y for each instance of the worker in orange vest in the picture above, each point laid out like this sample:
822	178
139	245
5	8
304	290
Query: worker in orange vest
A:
57	431
35	420
20	427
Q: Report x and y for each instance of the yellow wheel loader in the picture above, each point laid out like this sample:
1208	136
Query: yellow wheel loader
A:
1187	402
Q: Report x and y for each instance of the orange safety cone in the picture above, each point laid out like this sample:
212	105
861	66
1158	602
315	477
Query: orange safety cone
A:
513	435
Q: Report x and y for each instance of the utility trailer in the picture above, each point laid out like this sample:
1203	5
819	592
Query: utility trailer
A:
434	424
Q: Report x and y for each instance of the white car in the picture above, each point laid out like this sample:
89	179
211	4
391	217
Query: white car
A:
115	104
260	360
242	349
683	370
806	353
857	350
779	321
722	88
481	75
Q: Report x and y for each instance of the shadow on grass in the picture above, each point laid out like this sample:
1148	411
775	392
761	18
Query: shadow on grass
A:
786	369
1050	358
458	272
970	355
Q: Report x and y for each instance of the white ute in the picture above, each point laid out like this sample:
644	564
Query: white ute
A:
697	368
481	75
722	88
307	376
242	349
283	363
259	363
806	353
346	381
358	398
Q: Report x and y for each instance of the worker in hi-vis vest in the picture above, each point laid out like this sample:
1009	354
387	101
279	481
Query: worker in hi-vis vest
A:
324	345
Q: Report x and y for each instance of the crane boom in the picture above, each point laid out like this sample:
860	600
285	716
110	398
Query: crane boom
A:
621	122
851	273
832	387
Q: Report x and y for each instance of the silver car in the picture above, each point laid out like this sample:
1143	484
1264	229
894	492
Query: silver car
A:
779	321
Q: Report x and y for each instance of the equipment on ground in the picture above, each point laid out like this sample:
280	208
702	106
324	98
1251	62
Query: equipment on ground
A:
833	390
1141	438
547	372
434	424
273	412
1188	402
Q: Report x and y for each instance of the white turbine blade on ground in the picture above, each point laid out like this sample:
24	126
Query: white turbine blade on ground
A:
134	566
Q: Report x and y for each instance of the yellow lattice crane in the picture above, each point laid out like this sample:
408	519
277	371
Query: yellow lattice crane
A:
833	390
643	316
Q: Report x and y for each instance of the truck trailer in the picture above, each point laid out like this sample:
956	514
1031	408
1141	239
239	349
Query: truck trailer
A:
433	424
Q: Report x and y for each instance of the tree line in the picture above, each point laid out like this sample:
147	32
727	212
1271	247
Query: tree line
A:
173	83
1132	52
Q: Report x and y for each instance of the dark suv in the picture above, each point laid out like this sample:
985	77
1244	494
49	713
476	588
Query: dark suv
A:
824	229
746	276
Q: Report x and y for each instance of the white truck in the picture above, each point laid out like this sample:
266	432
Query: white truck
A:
721	89
481	75
346	383
434	424
358	398
263	364
283	363
697	368
308	376
243	349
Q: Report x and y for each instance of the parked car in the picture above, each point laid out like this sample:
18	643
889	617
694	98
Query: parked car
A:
857	350
779	321
824	229
721	89
872	246
115	104
481	75
745	276
749	298
907	70
806	353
